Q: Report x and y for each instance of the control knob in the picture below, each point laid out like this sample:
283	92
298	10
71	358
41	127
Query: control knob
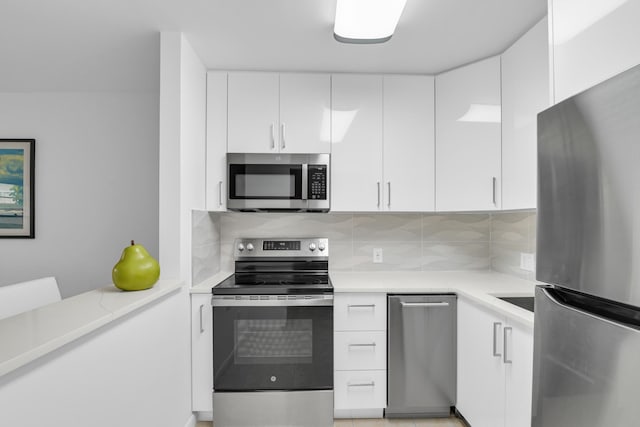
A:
321	247
240	247
249	247
312	247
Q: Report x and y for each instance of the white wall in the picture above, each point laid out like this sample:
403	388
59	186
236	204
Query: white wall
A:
131	373
96	183
182	151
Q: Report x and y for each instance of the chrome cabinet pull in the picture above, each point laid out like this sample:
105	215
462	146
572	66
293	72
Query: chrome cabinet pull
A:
369	384
201	318
371	306
495	339
424	304
494	182
273	137
505	359
378	193
363	345
389	194
282	135
220	193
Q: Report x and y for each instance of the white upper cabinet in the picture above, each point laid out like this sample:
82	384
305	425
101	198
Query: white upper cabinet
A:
591	42
356	139
253	116
279	113
305	113
216	199
525	92
468	143
409	156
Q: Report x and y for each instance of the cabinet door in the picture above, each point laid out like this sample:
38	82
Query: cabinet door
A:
356	143
468	137
253	115
480	366
409	162
592	41
518	376
360	312
216	198
305	113
525	92
201	352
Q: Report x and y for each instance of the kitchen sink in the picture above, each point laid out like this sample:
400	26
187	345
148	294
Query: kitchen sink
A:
523	302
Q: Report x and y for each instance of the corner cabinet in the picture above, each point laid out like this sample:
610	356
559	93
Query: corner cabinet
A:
525	93
216	188
279	113
201	353
495	368
382	143
468	140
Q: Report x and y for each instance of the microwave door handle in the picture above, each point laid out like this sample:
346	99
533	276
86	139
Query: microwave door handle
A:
305	180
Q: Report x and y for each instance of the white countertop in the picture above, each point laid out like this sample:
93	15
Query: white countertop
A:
480	286
30	335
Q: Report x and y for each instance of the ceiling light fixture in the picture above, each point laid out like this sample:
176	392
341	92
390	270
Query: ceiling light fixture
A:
366	21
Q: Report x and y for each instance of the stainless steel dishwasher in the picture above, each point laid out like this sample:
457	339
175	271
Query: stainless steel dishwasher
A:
421	355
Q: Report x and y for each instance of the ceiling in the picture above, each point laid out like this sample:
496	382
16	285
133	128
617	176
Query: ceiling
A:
79	45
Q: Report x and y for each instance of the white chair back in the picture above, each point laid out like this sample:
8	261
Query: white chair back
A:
25	296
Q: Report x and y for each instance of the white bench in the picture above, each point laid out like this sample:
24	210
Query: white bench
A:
25	296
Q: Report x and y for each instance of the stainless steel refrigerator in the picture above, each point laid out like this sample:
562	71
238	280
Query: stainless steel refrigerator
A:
587	320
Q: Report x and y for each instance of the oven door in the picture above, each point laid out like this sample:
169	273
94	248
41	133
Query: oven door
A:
274	342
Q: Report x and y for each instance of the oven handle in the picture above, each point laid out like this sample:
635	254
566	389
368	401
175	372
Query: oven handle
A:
299	301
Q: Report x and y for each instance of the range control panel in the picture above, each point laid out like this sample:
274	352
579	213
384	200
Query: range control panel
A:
260	247
317	183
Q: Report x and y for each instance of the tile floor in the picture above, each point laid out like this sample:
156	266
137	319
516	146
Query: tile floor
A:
432	422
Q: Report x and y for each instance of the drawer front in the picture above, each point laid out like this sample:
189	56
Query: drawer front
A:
360	389
360	350
360	312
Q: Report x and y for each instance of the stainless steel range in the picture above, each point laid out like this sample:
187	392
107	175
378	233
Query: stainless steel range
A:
273	336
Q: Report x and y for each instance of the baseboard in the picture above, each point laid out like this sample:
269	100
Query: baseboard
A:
191	422
204	415
358	413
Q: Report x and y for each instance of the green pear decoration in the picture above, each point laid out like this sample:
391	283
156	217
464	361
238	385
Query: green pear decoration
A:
136	270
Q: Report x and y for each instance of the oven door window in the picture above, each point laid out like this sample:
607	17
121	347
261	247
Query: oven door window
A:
273	348
264	181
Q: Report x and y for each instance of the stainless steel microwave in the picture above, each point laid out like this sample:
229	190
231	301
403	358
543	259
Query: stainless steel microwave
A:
278	182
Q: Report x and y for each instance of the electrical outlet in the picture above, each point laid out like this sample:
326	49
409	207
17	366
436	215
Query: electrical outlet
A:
528	261
377	255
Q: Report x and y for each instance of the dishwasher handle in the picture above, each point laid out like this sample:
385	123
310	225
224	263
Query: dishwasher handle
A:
424	304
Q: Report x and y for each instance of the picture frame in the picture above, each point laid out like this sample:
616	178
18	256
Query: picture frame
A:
17	188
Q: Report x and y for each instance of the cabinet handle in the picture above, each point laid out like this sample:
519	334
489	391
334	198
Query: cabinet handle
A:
505	359
494	182
363	345
389	194
201	318
378	193
220	193
495	339
282	135
371	306
273	137
369	384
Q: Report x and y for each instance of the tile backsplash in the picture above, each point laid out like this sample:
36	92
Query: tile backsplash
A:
456	241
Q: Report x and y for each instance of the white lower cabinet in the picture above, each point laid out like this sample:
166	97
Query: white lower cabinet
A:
360	355
201	353
495	368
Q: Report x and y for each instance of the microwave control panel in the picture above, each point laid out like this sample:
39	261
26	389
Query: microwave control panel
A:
317	182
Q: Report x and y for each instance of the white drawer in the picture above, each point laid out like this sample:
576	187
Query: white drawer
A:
360	312
360	350
360	389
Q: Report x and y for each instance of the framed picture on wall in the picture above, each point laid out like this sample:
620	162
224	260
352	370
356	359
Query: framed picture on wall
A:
17	167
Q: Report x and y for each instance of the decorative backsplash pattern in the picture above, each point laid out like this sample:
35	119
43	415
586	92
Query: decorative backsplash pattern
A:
457	241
